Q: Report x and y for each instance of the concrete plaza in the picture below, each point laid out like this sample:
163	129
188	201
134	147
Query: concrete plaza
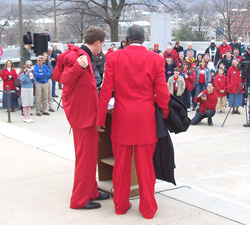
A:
37	167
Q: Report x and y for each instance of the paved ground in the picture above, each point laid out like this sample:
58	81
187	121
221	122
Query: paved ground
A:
212	174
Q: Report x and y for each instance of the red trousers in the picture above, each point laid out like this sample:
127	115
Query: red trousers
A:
86	152
145	173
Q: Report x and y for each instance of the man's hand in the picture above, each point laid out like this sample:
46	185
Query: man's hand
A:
100	128
83	61
165	113
204	98
199	95
222	91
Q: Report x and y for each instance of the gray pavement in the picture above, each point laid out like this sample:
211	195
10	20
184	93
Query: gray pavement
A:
37	166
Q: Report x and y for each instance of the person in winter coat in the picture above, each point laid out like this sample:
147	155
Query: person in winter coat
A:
220	86
169	68
41	73
224	47
236	54
210	65
208	100
9	75
27	81
181	59
227	61
214	53
47	62
156	48
99	62
123	45
234	44
233	85
189	78
176	84
177	47
202	77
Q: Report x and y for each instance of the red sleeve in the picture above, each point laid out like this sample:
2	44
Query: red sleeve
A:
161	87
70	74
229	85
4	75
192	76
197	99
216	86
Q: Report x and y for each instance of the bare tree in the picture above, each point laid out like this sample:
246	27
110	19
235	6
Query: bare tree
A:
78	23
6	13
226	14
200	22
109	11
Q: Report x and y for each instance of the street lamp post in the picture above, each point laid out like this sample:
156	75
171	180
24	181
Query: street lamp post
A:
21	33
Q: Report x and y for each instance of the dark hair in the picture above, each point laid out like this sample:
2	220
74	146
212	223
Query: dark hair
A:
28	32
46	30
185	62
135	33
209	82
94	34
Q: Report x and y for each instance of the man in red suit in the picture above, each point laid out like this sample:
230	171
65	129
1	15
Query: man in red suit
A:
80	105
138	78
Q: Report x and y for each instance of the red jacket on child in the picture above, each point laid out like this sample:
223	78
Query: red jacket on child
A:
189	82
220	83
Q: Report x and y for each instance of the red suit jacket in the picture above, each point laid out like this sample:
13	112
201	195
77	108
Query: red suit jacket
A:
138	79
4	75
79	91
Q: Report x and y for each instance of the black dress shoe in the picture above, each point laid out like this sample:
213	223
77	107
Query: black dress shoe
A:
92	205
55	96
51	110
102	196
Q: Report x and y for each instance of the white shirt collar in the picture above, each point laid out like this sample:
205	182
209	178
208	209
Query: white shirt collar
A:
135	44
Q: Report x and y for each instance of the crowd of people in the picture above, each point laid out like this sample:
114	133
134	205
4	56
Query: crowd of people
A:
187	74
190	75
137	78
32	85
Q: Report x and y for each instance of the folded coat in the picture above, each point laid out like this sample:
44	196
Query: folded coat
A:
176	122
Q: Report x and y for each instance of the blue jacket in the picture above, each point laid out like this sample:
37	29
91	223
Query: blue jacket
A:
41	76
207	75
26	82
48	64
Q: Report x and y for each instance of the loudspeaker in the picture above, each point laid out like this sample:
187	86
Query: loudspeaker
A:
40	43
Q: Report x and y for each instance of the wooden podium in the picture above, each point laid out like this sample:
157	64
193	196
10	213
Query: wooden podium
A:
106	161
